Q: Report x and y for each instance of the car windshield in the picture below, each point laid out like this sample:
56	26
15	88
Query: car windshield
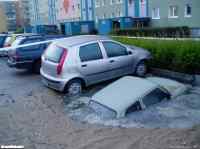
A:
53	53
102	110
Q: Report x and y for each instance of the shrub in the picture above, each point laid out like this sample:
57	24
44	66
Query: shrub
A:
175	55
154	32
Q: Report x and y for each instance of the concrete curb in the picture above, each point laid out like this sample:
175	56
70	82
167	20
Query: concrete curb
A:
182	77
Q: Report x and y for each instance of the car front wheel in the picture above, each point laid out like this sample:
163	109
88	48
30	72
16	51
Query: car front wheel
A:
141	69
74	88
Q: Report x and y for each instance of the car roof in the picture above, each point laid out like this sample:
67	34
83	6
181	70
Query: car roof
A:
77	40
123	93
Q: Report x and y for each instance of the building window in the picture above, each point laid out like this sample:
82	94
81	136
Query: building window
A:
103	2
97	3
156	13
112	2
188	10
173	11
119	1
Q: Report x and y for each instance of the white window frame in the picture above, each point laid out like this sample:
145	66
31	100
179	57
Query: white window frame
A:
97	3
188	15
173	13
156	13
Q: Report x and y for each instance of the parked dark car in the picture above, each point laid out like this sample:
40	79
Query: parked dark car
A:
29	57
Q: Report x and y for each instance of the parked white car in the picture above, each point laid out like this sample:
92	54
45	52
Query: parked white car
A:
130	94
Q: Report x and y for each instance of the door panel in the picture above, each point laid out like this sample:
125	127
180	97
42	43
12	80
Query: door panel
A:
119	61
92	63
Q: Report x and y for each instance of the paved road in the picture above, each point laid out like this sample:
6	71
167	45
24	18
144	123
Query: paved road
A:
33	115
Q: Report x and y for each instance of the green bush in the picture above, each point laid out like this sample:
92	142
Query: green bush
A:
154	32
175	55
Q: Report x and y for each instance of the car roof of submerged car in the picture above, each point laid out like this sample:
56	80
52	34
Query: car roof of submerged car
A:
77	40
123	93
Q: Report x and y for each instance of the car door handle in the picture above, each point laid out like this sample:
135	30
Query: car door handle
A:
112	61
85	65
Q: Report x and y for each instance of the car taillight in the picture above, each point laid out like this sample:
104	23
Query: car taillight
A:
62	60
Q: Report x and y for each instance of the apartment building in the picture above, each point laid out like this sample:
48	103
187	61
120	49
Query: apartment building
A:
39	12
23	13
173	13
3	26
115	14
9	8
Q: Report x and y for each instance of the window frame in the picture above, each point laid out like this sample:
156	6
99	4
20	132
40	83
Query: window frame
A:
90	43
157	12
102	41
173	11
186	9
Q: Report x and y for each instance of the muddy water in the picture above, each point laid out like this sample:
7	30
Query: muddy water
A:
182	112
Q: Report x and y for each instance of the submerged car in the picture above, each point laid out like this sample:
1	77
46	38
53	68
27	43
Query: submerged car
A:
73	63
130	94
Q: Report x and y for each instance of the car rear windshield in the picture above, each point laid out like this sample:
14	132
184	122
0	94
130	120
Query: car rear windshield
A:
54	53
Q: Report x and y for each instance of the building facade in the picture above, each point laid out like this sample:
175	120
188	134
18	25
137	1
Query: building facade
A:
23	13
39	12
3	26
87	10
68	10
9	8
52	12
173	13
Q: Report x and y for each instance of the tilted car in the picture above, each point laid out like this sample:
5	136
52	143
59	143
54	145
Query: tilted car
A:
130	94
76	62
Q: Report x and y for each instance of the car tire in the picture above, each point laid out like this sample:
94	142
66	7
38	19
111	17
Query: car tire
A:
141	69
37	66
74	88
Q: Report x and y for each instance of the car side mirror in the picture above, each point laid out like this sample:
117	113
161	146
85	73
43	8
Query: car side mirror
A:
130	52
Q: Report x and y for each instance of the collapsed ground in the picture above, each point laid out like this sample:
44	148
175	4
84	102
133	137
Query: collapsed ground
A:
35	116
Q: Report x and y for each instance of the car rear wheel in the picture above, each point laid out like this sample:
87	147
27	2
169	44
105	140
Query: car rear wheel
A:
37	66
141	69
74	88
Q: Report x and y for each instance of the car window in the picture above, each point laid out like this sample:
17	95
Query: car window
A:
135	107
102	110
90	52
33	46
154	97
54	53
114	49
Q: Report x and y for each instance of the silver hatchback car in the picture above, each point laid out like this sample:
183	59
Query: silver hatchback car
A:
72	63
